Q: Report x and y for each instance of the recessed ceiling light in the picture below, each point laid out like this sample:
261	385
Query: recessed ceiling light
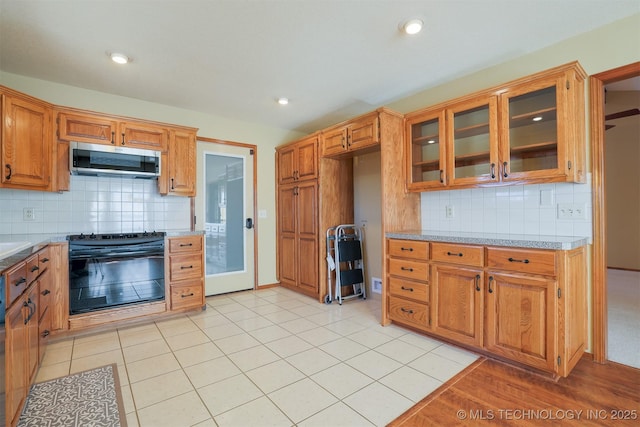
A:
431	141
537	118
413	26
119	58
283	101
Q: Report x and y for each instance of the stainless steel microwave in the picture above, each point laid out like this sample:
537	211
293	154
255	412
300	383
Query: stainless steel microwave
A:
108	160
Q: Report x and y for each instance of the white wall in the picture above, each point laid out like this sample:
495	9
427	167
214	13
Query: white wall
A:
266	138
367	197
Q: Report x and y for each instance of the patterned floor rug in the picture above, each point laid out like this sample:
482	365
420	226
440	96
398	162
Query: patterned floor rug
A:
89	398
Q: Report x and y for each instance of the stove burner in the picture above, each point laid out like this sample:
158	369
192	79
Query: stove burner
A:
116	236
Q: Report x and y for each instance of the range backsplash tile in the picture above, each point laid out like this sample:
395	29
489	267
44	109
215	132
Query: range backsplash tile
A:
517	209
94	205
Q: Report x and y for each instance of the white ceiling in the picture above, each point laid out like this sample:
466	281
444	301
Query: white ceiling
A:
232	58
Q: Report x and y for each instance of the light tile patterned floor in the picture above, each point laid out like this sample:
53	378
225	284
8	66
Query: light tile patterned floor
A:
265	358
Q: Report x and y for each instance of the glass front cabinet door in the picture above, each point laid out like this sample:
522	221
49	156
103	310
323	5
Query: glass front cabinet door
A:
540	131
530	132
425	135
472	128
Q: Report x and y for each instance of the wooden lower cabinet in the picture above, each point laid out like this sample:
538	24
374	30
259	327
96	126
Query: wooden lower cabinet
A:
298	237
21	352
457	301
185	272
523	305
521	320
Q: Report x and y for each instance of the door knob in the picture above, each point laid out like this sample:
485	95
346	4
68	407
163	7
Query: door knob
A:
249	223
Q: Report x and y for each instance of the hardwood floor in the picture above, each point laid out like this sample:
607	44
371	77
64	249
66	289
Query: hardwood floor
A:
493	393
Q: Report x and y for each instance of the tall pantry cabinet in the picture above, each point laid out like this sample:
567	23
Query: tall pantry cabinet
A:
297	173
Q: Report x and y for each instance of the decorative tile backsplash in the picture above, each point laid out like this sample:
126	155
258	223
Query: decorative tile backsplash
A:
518	209
94	205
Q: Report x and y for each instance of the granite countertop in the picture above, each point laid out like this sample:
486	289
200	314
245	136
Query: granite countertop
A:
493	239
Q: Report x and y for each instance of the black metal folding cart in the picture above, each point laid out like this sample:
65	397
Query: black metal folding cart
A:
344	255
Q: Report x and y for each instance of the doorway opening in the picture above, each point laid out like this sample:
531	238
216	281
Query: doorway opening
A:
601	236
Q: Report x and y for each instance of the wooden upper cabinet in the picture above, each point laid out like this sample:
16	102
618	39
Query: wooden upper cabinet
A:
27	143
298	161
99	129
472	127
425	150
527	131
87	128
179	169
354	136
142	135
542	129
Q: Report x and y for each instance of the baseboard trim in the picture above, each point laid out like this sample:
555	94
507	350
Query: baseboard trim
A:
623	269
269	285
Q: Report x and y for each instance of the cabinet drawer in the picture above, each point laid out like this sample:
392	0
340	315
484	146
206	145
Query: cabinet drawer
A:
44	299
185	244
16	282
408	249
186	296
408	289
417	270
458	254
184	267
44	259
33	268
522	260
406	311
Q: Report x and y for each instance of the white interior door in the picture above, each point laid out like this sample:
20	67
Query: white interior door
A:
224	210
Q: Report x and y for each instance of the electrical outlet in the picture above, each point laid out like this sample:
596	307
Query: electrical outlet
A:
572	211
449	211
28	214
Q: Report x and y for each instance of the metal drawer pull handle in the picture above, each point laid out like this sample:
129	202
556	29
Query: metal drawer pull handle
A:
20	281
493	170
35	268
454	254
187	296
45	260
182	245
406	289
478	282
406	269
182	267
46	292
404	310
407	249
490	281
8	166
524	261
45	333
